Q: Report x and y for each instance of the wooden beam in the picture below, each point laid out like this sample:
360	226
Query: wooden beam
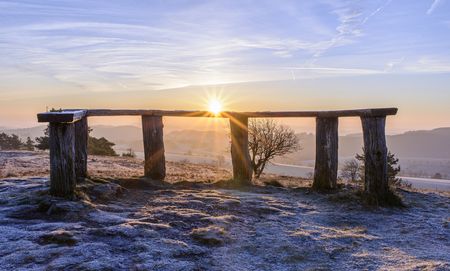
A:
322	114
375	152
240	157
155	162
326	166
62	159
145	112
81	148
256	114
65	116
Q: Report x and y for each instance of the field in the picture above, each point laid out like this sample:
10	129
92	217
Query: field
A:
123	222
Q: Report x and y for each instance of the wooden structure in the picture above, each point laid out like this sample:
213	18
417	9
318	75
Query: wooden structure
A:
69	134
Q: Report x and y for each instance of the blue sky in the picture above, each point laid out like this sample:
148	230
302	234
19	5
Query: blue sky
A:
61	48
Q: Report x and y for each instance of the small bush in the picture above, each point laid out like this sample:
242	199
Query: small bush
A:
100	146
10	142
129	153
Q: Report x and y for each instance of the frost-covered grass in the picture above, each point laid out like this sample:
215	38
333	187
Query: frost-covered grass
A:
202	227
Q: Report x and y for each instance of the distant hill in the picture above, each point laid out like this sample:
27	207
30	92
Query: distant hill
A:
425	144
26	132
414	144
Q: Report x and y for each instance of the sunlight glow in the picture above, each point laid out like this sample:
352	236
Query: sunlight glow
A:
215	107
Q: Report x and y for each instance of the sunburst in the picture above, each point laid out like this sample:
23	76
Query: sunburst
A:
215	106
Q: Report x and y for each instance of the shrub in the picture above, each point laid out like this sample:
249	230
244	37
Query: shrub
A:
100	146
42	142
10	142
129	153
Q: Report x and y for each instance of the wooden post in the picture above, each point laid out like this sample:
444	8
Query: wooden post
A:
81	144
240	157
326	166
155	162
375	152
62	159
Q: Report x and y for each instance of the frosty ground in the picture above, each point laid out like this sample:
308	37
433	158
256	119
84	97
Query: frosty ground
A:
122	222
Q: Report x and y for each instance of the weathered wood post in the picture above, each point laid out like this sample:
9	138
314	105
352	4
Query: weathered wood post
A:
240	157
155	161
326	166
375	152
81	144
62	159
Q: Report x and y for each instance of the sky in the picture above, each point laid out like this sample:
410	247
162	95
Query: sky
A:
252	55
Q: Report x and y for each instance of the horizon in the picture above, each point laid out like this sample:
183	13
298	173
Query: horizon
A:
250	55
204	128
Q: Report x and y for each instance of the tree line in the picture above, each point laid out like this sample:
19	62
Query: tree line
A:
13	142
96	146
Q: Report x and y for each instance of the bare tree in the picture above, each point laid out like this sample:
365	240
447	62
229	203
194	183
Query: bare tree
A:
268	139
351	170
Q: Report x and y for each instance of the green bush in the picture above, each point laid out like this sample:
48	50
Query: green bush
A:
10	142
96	146
129	153
42	142
100	146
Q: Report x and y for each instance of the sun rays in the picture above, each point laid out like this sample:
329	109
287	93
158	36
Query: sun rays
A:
215	107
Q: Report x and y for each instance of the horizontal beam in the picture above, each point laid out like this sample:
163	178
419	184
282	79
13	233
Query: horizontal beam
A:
66	116
74	115
145	112
374	112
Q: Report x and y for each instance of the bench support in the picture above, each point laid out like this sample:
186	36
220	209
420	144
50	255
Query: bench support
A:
375	152
155	161
326	166
240	157
81	148
62	159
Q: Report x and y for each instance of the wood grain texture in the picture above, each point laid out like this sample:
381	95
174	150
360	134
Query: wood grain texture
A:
81	148
240	157
66	116
326	165
375	151
155	161
227	114
62	159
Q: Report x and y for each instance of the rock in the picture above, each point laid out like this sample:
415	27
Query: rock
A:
274	183
211	235
60	237
106	191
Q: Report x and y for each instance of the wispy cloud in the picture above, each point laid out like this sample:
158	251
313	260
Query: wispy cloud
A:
351	20
376	11
433	6
390	66
98	47
330	71
429	64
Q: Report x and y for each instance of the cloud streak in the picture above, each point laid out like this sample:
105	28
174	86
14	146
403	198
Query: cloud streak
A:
433	6
97	47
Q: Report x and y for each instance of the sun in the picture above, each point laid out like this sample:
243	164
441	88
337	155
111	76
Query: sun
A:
215	106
